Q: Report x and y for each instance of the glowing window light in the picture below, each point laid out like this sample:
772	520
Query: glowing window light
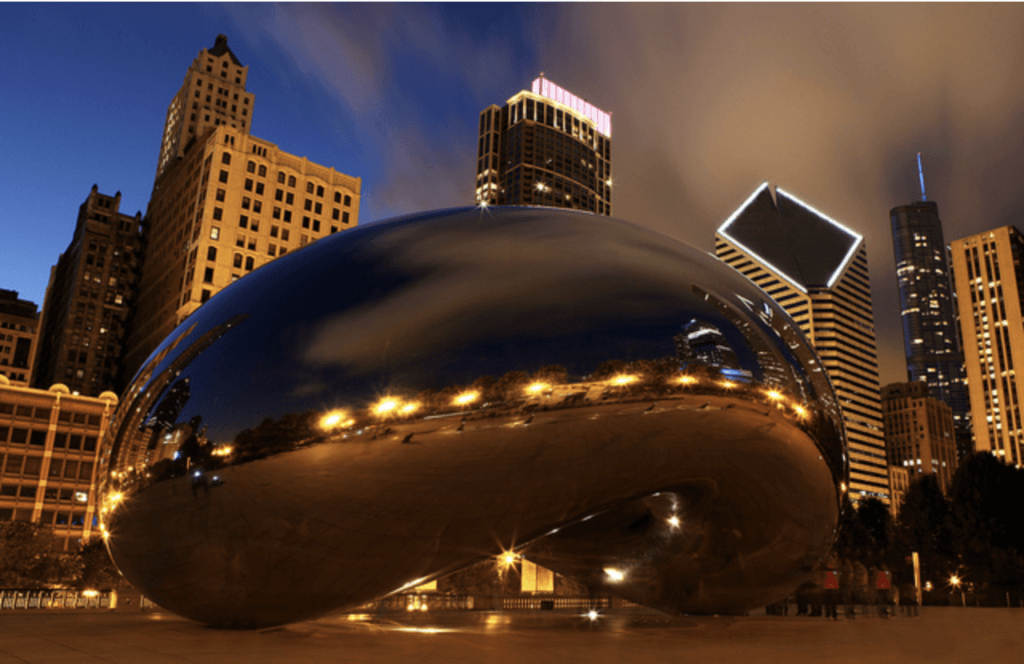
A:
466	398
386	407
601	119
537	388
90	593
623	379
853	248
614	574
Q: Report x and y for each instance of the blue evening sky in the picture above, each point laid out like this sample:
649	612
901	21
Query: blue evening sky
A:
831	102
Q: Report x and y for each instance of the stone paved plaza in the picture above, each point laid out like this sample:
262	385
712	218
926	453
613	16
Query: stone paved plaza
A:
955	635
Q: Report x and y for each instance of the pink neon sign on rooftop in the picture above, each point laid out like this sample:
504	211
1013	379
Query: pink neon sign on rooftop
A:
545	88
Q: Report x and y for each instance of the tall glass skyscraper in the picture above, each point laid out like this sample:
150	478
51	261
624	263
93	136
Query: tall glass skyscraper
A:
930	335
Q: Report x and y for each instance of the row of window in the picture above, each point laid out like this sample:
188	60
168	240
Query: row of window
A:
43	413
37	437
31	466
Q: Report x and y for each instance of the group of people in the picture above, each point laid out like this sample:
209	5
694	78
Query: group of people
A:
873	590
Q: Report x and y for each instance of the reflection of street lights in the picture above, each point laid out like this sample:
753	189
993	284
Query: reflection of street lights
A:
466	398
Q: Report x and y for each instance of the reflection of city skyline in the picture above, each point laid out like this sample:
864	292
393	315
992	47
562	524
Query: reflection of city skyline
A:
721	340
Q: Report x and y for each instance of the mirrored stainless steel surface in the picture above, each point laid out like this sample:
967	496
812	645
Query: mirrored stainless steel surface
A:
404	399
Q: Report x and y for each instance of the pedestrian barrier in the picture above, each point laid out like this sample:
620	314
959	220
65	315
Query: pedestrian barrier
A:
15	599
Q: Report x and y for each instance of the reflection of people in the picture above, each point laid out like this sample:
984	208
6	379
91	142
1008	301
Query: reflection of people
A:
199	481
190	448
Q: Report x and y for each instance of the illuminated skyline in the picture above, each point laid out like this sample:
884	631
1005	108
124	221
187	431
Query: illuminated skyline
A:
832	101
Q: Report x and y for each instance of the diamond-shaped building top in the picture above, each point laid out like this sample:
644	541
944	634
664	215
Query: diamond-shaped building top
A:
804	245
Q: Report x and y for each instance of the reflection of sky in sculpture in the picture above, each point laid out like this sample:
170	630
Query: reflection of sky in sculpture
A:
366	321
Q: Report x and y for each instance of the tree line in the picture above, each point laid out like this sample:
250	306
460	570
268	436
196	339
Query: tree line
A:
969	540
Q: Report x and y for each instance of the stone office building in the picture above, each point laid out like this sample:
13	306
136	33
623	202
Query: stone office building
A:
49	451
224	202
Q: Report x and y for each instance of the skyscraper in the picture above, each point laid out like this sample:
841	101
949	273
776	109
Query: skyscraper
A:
988	277
545	146
919	432
817	270
89	300
224	202
926	306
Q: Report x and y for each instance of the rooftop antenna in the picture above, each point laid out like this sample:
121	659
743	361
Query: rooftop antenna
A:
920	175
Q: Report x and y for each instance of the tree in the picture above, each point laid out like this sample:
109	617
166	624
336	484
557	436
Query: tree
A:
986	496
98	570
925	527
865	532
877	521
29	559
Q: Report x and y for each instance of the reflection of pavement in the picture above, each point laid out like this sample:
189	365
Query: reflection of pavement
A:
352	519
939	635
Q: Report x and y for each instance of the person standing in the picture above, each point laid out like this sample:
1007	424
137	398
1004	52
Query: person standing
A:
830	585
846	587
860	584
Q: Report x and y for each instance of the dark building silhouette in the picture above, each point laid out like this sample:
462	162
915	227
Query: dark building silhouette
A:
930	335
89	300
19	322
548	147
703	342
